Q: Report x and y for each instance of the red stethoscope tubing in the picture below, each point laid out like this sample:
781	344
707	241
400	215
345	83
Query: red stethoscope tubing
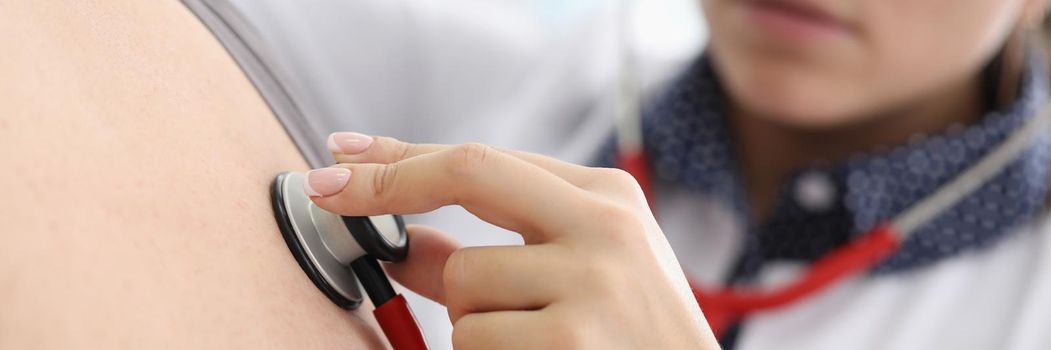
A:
399	324
723	307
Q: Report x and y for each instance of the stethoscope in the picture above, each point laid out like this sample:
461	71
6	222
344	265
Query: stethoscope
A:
337	252
725	306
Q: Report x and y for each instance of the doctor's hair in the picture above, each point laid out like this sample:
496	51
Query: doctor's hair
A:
1045	39
1006	66
1044	34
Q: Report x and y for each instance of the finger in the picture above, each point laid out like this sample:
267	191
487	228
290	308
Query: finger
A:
506	330
498	188
421	271
481	279
386	150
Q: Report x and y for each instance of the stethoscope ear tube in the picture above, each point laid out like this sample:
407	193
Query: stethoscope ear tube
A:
725	307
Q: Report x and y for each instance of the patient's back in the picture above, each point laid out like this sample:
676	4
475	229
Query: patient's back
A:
134	208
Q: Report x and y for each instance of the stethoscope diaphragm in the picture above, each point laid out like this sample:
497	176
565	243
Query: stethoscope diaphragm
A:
325	244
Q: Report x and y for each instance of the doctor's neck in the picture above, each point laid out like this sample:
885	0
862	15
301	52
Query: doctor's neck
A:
770	151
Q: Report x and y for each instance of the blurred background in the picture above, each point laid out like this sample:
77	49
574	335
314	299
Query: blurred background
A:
536	75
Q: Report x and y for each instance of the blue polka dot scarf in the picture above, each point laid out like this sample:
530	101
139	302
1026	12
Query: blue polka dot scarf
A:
824	206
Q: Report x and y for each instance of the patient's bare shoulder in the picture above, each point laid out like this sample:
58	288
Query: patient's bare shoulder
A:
134	208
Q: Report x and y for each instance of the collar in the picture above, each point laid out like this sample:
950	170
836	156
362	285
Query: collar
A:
689	144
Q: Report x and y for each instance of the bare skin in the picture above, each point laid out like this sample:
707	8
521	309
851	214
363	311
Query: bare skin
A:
770	150
135	207
865	74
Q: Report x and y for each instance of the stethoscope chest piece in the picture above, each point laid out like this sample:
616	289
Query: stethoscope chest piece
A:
324	244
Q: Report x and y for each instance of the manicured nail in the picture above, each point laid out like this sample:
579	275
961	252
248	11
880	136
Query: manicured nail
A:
348	142
326	182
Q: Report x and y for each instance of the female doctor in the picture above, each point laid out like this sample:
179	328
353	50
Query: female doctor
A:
810	154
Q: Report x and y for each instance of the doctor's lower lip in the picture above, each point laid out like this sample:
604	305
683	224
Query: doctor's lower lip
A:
794	22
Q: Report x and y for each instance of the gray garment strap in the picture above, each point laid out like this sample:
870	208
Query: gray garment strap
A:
233	32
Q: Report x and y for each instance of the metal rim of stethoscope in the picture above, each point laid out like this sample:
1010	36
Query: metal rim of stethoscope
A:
325	244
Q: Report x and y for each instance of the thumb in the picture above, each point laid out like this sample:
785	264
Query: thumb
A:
422	270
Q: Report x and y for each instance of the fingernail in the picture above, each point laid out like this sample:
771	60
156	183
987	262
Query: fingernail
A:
326	182
348	142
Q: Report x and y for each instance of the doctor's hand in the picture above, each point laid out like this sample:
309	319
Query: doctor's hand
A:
595	272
